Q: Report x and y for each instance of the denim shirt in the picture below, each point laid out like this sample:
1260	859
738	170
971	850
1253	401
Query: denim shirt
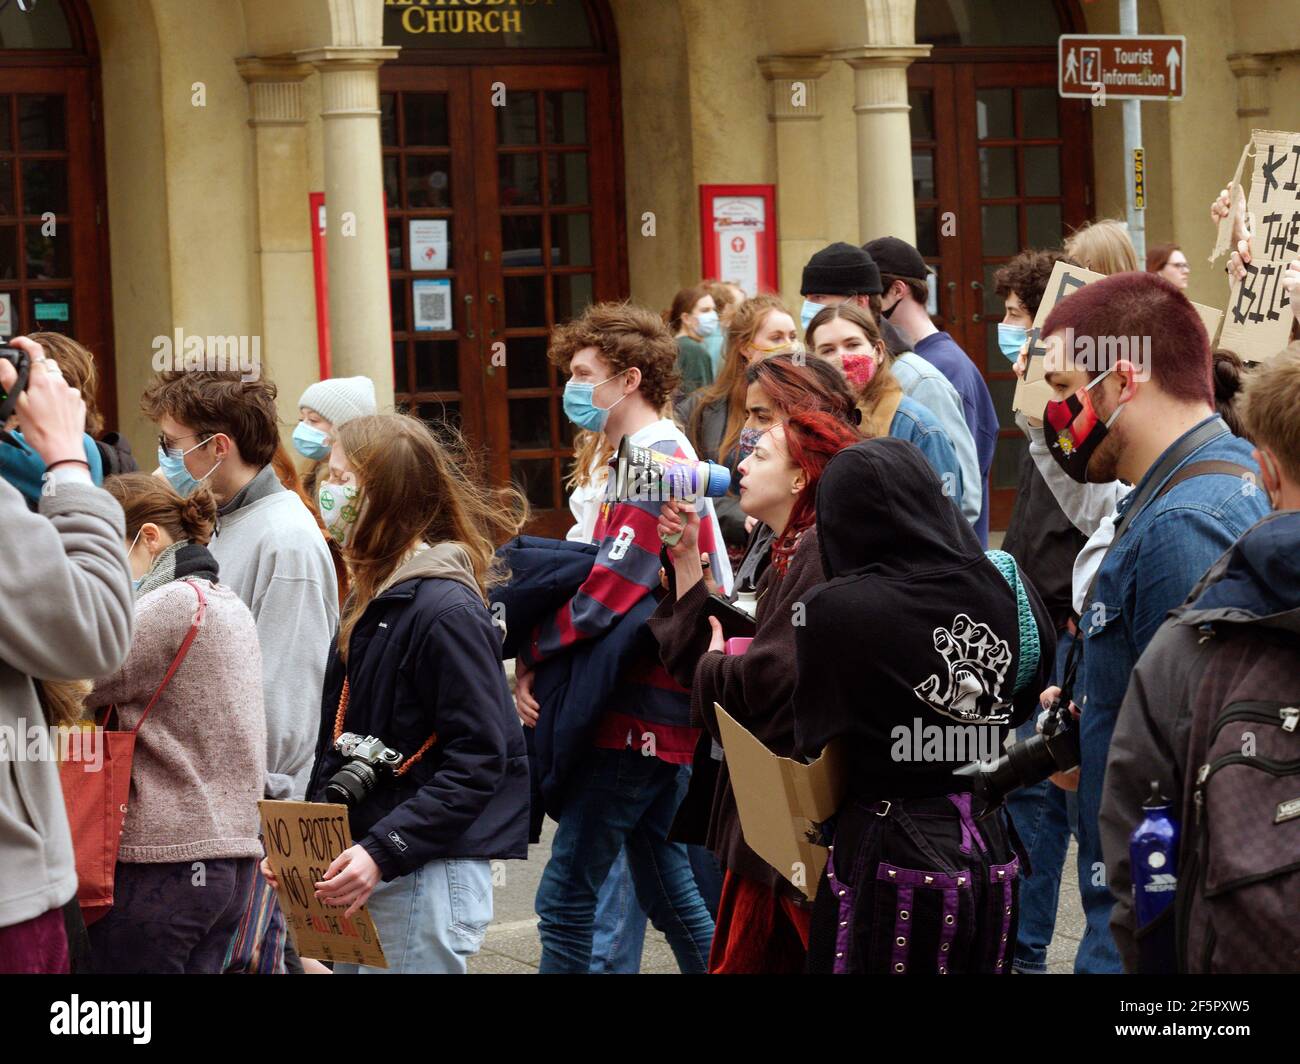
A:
1151	570
914	422
922	382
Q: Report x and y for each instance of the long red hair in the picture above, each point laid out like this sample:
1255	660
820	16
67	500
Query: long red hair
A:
812	439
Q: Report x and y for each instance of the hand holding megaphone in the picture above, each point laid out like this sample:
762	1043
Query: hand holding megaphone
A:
679	529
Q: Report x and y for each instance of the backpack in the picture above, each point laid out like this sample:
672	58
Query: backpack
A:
1239	859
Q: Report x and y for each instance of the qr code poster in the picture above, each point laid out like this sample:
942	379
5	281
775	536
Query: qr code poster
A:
431	305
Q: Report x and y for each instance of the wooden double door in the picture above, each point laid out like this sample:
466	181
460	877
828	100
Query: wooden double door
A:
1000	163
504	220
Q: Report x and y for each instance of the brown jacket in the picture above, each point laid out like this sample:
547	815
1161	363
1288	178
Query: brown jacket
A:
755	688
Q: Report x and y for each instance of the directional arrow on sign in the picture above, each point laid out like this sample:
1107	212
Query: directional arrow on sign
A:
1172	61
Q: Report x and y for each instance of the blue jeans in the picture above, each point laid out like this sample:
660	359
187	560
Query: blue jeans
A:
708	876
618	936
1044	816
617	799
1098	954
431	920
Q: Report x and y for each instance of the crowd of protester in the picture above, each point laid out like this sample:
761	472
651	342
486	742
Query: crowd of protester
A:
242	616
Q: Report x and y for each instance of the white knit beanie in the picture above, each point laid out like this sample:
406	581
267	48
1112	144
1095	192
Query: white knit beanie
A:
340	399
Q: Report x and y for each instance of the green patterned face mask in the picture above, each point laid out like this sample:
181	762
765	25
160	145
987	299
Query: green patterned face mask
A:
339	510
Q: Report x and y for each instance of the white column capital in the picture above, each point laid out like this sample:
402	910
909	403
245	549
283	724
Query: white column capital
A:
794	85
1252	72
349	79
275	89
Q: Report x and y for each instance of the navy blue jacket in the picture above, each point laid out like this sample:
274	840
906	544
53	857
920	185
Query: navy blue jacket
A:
425	657
571	688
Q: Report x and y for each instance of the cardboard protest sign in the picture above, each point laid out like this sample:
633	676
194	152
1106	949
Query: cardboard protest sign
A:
1033	392
1223	241
1258	319
779	801
301	840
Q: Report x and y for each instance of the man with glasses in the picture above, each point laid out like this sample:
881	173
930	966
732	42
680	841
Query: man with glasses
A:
220	432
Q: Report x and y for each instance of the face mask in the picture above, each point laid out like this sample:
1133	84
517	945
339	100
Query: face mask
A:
173	467
706	324
748	441
338	510
889	313
809	311
1011	338
135	584
311	442
1076	432
791	347
581	409
859	369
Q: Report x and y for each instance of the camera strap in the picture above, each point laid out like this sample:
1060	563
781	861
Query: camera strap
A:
345	696
1162	479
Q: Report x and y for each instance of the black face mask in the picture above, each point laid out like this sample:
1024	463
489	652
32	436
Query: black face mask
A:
1074	431
890	312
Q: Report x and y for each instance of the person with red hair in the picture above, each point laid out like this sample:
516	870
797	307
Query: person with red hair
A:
762	922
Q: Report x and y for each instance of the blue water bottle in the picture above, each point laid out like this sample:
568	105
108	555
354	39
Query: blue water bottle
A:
1153	852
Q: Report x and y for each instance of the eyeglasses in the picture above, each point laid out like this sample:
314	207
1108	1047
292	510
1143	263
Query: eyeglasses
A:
170	448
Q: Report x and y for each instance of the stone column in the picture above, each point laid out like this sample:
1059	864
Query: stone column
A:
1252	73
285	277
360	323
796	111
886	206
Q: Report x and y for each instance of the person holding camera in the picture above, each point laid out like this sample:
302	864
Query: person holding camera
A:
200	754
77	624
418	735
762	924
918	651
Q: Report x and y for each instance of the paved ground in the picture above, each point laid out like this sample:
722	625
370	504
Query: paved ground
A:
512	944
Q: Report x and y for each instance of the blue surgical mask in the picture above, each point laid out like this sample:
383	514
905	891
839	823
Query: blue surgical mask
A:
173	467
311	442
749	440
809	311
706	324
581	409
1011	338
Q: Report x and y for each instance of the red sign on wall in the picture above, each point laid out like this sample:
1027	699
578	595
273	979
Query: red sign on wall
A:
738	234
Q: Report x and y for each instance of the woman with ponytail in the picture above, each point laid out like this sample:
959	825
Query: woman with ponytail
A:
417	665
200	752
762	923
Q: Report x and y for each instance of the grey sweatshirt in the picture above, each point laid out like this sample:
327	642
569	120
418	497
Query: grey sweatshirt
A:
67	614
273	556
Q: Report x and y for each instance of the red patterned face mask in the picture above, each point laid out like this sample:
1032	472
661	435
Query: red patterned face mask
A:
858	369
1074	431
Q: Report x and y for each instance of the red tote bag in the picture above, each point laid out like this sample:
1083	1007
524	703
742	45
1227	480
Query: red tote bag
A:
96	801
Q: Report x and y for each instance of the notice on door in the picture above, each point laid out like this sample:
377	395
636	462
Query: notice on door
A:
739	233
431	305
6	315
428	243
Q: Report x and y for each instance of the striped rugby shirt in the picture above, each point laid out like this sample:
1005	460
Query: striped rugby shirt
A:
647	708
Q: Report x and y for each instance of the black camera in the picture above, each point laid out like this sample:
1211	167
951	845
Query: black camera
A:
368	760
1054	749
22	364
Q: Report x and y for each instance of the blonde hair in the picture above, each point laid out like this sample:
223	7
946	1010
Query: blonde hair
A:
731	384
1103	247
590	451
1267	407
414	486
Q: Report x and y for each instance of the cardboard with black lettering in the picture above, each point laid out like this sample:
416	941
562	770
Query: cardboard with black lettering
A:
779	800
1257	325
301	840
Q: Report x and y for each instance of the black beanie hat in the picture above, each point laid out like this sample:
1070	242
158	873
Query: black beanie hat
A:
841	270
897	258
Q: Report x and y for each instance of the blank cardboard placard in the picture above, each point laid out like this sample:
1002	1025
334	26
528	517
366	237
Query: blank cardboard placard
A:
1223	239
301	840
779	800
1257	322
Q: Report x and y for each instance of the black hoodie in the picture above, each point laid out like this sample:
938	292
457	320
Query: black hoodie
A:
907	576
